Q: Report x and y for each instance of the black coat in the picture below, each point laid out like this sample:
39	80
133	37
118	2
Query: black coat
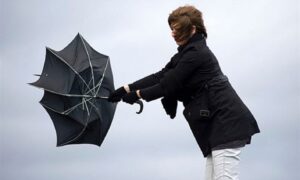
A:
187	78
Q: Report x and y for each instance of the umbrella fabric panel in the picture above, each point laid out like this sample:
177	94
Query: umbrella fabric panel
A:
75	54
69	131
79	125
81	56
90	65
71	106
79	108
104	79
83	84
56	76
106	111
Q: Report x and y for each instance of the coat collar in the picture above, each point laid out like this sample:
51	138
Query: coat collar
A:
195	38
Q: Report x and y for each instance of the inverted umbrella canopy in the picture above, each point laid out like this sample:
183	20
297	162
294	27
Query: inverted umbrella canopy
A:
76	82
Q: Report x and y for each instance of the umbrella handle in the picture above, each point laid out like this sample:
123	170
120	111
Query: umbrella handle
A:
139	102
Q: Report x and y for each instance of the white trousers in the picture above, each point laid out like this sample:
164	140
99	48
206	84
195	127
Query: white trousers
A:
223	164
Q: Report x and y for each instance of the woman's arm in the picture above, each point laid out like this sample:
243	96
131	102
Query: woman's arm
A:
150	80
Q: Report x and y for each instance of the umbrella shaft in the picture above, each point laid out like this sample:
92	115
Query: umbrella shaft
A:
88	96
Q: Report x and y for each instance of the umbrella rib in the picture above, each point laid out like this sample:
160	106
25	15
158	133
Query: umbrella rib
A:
76	58
96	108
60	58
91	66
52	109
100	81
68	111
97	112
71	95
86	90
81	132
87	108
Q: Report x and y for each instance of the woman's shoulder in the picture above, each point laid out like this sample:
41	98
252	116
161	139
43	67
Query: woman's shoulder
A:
197	52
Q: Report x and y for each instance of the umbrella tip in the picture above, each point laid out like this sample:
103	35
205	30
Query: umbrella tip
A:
31	84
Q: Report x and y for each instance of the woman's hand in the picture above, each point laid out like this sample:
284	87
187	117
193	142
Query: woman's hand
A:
117	95
131	97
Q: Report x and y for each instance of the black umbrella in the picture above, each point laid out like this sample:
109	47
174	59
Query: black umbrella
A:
76	82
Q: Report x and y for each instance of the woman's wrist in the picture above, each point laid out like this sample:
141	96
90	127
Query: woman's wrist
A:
127	89
138	93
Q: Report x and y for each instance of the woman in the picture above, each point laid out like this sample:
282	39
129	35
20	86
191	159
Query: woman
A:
219	120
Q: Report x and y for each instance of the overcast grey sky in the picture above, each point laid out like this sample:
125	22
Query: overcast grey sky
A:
256	42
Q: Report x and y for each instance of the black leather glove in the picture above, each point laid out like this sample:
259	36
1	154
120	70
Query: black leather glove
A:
131	97
170	106
117	95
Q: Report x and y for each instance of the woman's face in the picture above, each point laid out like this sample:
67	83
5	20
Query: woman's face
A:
174	32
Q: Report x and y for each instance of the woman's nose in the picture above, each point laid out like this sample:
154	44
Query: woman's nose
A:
173	33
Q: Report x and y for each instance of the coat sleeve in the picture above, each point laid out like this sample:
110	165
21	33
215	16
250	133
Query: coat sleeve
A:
150	80
173	80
